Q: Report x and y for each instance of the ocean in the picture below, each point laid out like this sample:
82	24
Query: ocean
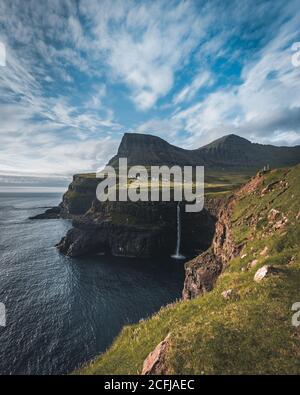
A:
61	312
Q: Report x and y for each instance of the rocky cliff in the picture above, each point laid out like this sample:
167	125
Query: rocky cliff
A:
141	229
80	195
77	200
203	271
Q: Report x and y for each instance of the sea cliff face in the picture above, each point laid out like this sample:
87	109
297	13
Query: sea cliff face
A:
202	272
76	201
140	229
79	196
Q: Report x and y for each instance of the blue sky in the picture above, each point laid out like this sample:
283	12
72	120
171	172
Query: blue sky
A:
80	73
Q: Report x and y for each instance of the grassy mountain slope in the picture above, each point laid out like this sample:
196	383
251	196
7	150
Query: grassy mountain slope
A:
251	332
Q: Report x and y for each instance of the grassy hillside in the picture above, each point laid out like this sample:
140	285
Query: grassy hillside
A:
251	332
223	181
217	181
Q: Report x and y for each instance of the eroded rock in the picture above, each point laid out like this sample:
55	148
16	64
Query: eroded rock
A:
264	251
155	362
203	271
252	264
264	272
227	294
273	215
201	274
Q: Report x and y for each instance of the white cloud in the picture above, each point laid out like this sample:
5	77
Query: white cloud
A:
2	55
52	122
95	101
187	93
44	134
145	44
265	107
166	128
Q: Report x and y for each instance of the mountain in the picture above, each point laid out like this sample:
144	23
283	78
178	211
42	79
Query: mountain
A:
236	151
148	150
230	151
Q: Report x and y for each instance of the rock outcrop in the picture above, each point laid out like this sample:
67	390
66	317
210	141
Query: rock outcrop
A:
76	201
51	213
80	195
264	272
155	362
201	274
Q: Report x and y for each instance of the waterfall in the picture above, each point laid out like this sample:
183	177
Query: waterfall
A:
177	252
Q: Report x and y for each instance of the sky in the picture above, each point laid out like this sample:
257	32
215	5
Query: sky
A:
80	73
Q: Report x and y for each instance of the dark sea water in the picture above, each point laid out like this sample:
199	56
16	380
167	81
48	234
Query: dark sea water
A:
61	312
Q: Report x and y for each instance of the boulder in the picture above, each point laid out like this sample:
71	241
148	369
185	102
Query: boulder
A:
252	264
281	223
154	363
273	215
264	272
264	251
227	294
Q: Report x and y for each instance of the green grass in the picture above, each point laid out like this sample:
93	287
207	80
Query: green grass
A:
217	181
250	334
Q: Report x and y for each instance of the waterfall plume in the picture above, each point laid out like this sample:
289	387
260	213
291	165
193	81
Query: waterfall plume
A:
177	254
